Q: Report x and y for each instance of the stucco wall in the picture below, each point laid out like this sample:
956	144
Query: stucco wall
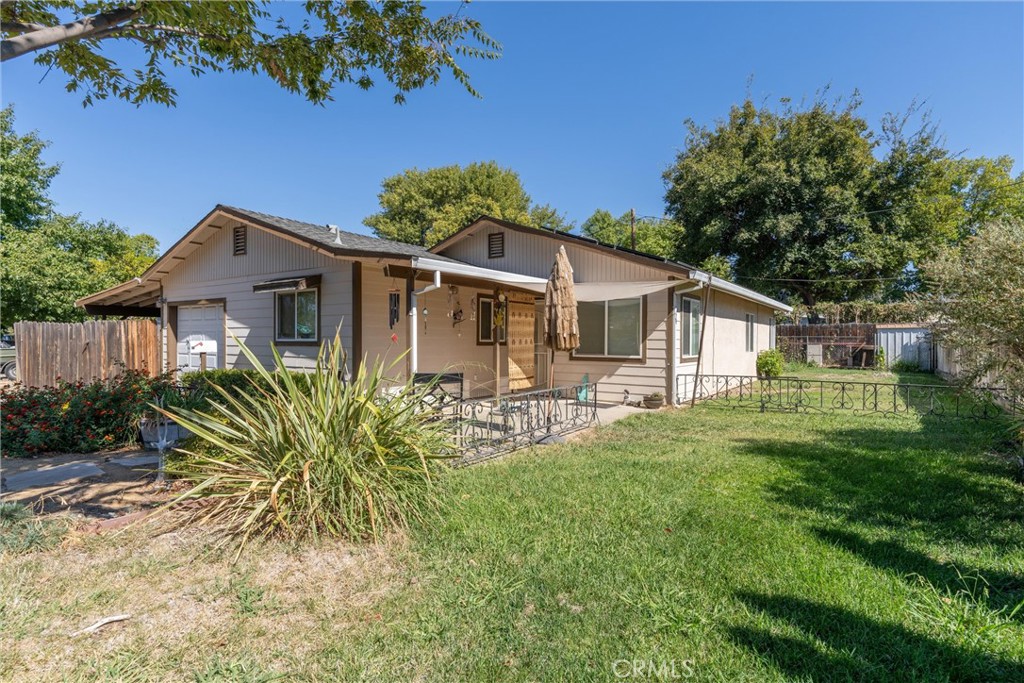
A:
214	272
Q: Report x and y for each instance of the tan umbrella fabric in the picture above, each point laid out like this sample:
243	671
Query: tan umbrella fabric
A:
561	321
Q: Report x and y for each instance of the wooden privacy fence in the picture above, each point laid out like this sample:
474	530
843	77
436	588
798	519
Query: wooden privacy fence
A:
96	349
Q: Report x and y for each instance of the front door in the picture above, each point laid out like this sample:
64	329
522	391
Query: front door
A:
200	334
520	344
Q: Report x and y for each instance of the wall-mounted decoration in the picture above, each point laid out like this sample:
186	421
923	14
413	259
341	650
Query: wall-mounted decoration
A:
394	304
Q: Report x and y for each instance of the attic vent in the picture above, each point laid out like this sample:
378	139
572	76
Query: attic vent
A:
240	239
496	245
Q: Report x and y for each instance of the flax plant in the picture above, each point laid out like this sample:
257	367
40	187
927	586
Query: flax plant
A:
311	456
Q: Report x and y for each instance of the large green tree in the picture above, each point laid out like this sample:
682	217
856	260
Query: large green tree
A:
653	235
810	201
24	177
65	258
331	43
48	260
425	207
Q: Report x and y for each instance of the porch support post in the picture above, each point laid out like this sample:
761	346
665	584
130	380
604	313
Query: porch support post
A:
414	332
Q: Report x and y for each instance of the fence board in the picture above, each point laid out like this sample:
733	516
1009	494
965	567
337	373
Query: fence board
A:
95	349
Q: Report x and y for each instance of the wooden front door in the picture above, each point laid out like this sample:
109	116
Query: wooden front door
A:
521	362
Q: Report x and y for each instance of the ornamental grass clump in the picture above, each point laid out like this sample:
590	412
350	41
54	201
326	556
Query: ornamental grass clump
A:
305	457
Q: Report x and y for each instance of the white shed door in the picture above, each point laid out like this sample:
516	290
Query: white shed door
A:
200	334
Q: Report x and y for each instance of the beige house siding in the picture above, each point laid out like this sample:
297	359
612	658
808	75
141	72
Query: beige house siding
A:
533	255
725	350
214	272
442	346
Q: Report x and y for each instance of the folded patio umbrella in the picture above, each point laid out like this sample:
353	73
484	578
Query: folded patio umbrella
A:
561	320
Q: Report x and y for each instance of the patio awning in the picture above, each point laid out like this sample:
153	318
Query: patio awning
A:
585	291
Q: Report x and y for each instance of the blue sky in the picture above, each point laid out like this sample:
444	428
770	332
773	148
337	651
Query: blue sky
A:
587	104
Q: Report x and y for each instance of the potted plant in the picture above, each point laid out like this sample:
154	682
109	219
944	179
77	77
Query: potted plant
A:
655	400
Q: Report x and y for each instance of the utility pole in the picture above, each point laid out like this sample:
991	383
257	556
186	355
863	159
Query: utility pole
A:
632	228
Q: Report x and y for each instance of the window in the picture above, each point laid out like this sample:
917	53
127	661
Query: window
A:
297	315
496	245
611	328
689	326
750	331
485	322
239	240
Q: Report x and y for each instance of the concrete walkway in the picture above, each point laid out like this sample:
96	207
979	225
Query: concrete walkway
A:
24	476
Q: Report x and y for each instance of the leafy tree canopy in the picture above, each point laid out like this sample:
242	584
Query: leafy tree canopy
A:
46	269
334	43
25	177
653	235
975	303
425	207
810	201
48	260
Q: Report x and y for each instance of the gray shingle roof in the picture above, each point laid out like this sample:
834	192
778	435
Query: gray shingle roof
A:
351	243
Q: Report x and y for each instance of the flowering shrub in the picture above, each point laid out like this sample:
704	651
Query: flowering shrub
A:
75	416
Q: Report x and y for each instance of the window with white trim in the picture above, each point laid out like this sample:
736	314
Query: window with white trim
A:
485	322
688	333
611	329
750	332
296	315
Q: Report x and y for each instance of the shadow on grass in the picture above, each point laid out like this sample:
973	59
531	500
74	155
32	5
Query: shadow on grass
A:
938	481
856	647
999	591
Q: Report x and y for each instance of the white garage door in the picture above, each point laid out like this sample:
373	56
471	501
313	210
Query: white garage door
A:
200	334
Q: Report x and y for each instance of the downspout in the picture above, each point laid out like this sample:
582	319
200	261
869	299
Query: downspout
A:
676	398
414	332
705	280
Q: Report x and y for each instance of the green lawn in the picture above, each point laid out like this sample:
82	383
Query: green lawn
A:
738	545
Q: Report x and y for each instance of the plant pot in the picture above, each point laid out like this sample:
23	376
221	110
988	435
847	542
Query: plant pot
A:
654	402
152	430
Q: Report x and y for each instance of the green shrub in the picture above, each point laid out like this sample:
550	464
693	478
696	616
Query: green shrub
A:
880	358
313	457
902	365
770	363
76	416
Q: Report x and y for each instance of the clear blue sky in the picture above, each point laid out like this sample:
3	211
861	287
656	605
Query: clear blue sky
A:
587	104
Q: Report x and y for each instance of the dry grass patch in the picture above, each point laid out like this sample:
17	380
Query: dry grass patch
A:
193	611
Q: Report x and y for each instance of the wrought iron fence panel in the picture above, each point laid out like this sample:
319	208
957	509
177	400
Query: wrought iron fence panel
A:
488	427
795	394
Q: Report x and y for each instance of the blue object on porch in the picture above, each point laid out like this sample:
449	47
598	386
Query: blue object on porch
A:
583	393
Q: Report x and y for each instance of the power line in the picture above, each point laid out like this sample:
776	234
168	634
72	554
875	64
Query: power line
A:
818	280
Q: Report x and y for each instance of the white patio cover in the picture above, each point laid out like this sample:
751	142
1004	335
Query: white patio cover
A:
585	291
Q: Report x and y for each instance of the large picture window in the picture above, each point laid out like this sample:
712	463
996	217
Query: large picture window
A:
689	326
485	322
297	317
612	329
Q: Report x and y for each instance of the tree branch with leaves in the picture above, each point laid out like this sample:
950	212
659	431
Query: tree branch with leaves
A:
335	43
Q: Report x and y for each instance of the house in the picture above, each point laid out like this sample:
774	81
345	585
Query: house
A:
264	279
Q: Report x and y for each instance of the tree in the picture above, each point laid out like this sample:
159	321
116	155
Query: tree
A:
24	176
546	216
335	43
797	202
653	235
48	260
975	302
46	269
425	207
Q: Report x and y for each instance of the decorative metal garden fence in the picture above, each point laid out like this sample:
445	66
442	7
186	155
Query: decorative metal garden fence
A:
828	396
488	427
